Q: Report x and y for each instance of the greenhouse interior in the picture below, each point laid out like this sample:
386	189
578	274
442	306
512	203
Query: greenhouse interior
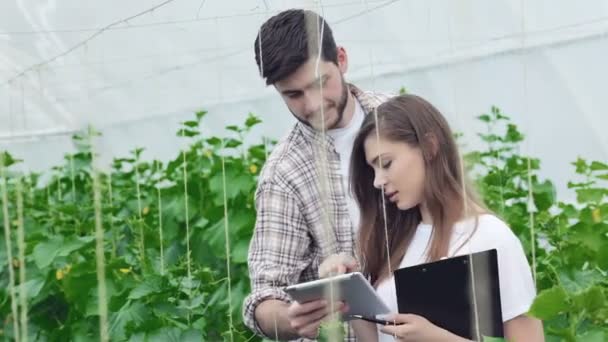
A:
206	170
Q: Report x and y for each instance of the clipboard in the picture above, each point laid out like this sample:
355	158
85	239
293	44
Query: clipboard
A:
456	294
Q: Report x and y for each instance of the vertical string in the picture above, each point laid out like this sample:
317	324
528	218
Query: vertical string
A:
10	107
9	249
76	207
160	225
382	196
110	195
59	192
276	328
187	214
225	195
102	308
99	249
323	160
465	195
23	112
531	207
22	264
142	242
227	237
73	177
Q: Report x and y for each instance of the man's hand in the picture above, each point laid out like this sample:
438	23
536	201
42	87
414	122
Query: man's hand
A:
338	264
306	318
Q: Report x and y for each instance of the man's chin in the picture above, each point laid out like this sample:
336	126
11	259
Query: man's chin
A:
330	123
320	127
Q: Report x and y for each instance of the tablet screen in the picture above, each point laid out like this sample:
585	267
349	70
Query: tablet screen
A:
351	288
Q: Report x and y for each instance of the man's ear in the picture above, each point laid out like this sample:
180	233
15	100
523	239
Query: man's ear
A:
342	59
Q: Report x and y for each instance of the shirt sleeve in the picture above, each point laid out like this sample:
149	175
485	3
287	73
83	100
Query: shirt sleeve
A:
517	289
279	250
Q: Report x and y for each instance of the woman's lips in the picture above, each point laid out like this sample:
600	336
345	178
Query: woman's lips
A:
392	196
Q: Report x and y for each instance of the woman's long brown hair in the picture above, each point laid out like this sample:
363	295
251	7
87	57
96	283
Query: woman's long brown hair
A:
414	121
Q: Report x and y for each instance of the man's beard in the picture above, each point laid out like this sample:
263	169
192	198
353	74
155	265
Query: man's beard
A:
339	108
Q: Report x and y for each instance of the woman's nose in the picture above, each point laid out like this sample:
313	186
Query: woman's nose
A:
379	181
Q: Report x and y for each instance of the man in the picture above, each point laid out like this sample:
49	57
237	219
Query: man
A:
304	210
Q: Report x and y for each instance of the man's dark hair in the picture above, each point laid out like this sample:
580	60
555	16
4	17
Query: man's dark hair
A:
288	40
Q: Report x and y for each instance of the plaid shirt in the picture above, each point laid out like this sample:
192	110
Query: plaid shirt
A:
294	205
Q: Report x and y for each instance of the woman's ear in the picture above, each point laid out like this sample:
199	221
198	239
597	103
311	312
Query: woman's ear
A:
433	143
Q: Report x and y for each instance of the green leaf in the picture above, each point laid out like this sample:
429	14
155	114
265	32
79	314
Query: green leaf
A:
233	128
32	287
165	334
217	142
191	124
200	223
191	335
544	195
590	195
579	280
596	165
187	133
239	252
252	120
200	114
258	152
45	252
589	235
73	244
235	184
149	286
513	134
549	303
594	335
591	299
581	165
232	143
484	118
6	159
134	313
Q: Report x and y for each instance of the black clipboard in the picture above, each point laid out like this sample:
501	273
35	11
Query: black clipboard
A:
442	292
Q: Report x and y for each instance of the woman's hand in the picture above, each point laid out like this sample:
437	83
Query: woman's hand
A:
417	328
338	264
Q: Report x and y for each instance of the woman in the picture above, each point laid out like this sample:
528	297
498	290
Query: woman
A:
406	167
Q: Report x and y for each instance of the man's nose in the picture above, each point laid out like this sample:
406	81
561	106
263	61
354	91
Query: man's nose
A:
312	103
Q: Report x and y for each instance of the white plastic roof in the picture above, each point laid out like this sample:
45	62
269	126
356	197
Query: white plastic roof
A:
133	69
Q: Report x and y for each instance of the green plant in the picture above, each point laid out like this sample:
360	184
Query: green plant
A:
155	289
154	213
567	243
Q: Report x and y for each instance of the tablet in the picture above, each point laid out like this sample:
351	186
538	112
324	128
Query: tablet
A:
351	288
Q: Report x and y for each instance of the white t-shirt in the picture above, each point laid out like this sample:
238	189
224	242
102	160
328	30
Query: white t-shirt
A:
517	290
344	139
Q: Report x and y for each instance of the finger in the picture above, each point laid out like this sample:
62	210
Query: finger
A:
301	323
299	309
350	262
310	331
394	330
400	318
339	307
